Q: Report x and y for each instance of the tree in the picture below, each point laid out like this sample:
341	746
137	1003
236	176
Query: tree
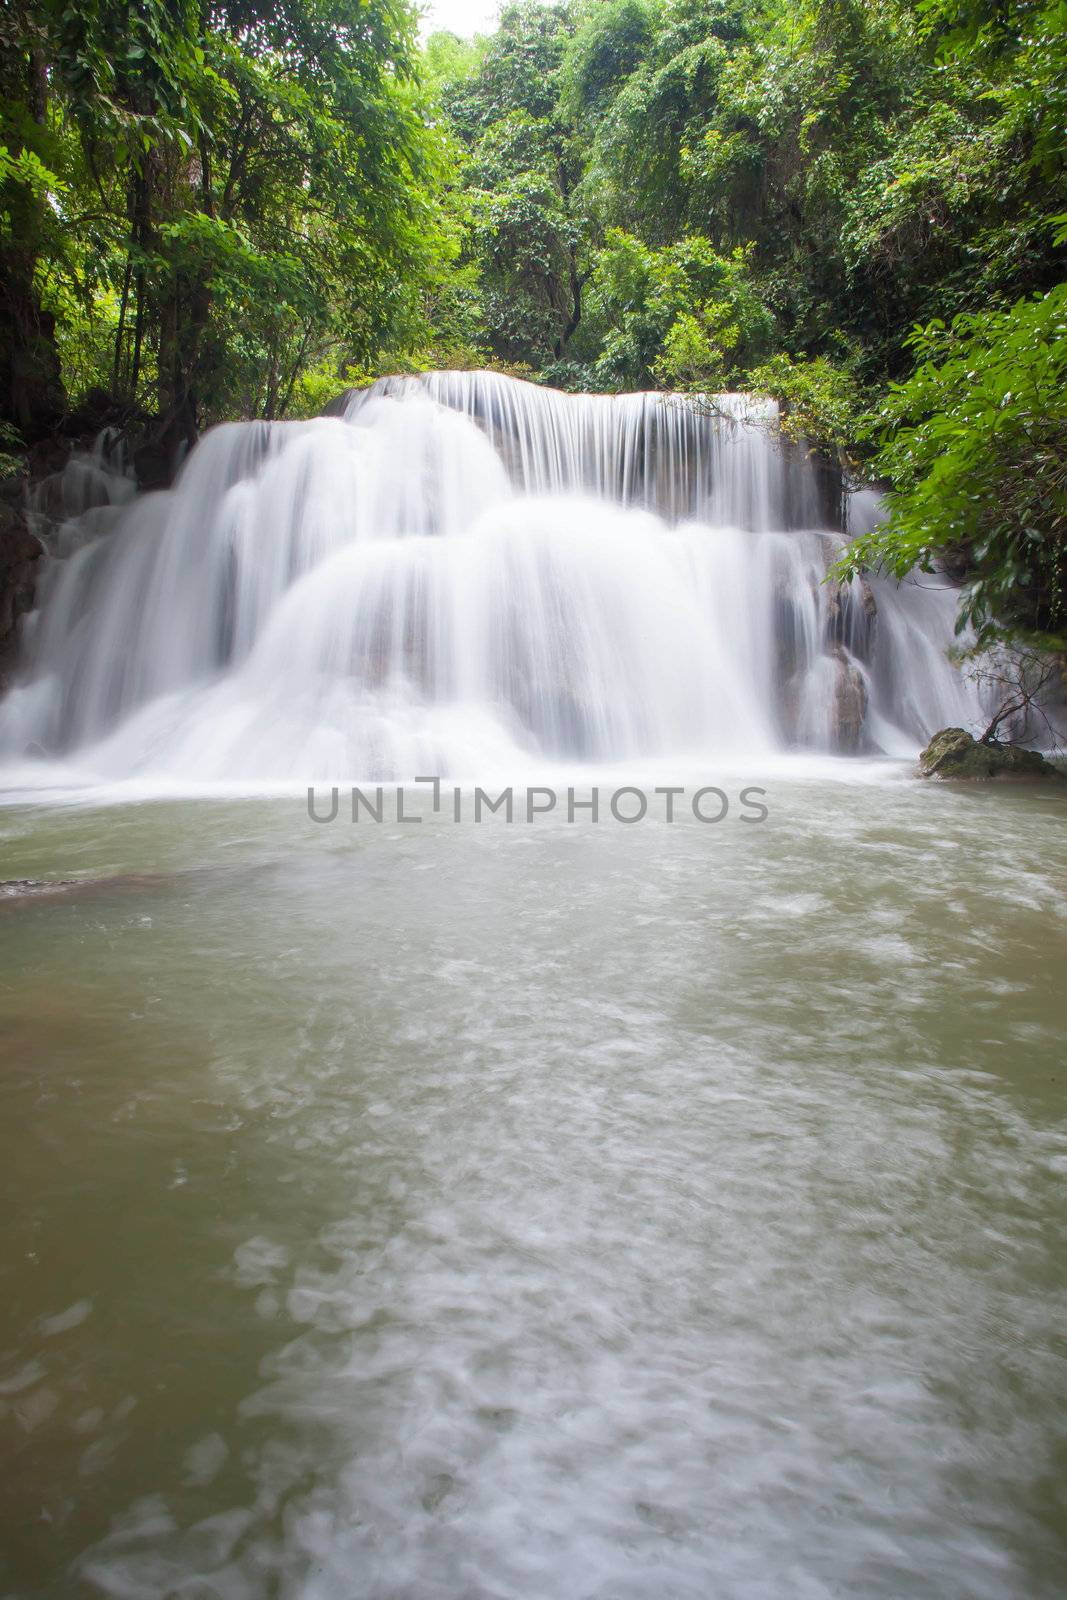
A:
975	444
31	389
1024	684
257	182
684	316
517	169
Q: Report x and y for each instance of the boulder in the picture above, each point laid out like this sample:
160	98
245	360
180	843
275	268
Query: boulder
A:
850	705
954	753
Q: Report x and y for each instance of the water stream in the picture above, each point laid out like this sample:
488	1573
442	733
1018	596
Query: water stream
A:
517	1211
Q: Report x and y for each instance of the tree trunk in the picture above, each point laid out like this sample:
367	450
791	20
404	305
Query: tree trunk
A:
183	321
31	385
32	396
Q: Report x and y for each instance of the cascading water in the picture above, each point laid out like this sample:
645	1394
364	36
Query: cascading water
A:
460	572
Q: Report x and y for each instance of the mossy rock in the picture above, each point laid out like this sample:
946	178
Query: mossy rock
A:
953	753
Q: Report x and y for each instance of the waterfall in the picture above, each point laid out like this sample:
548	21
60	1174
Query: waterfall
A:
457	572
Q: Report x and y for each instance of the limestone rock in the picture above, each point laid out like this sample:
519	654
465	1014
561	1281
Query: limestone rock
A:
850	705
953	753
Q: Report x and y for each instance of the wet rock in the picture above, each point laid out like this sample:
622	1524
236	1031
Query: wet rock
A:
82	485
954	753
788	635
154	466
823	706
20	888
851	614
16	890
850	705
829	489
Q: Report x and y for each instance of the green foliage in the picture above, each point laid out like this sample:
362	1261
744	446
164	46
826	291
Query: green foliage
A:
25	170
819	404
522	236
975	443
315	386
210	198
771	194
12	445
518	70
683	316
448	60
610	41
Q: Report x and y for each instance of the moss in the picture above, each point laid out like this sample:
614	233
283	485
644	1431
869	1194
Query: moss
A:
953	753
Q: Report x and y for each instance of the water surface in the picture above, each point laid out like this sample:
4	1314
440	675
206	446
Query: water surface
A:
449	1212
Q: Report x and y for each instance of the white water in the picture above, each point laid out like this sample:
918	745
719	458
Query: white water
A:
465	574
